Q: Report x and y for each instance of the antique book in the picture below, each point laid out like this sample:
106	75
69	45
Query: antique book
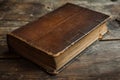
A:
57	37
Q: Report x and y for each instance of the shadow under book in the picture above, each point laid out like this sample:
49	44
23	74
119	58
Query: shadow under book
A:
57	37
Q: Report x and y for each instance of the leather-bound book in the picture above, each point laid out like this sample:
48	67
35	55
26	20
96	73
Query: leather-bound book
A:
57	37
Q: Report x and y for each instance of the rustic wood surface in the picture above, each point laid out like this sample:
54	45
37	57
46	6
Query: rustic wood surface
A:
101	61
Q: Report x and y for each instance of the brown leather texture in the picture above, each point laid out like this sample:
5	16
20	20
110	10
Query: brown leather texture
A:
57	30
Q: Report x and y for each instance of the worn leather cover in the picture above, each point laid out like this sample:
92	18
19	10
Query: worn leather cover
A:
56	31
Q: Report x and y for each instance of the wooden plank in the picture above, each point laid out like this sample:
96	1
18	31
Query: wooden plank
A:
21	11
4	23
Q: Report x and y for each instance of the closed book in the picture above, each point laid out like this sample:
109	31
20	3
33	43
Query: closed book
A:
57	37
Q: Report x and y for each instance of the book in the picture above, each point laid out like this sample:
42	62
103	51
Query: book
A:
57	37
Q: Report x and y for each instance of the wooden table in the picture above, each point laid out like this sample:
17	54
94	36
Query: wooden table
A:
100	61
